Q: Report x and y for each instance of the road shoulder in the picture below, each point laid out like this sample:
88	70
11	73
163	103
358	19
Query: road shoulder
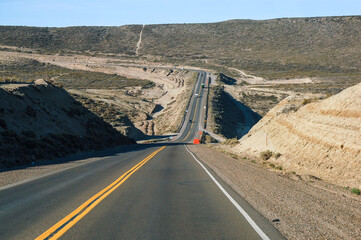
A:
297	208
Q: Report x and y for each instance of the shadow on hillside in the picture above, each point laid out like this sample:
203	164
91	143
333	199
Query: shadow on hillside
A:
95	154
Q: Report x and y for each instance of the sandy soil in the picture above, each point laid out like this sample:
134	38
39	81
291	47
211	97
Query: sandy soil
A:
306	208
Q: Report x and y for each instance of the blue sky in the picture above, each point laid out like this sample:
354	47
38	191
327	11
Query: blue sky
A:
60	13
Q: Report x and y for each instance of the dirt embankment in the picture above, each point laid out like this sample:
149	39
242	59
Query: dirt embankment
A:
42	121
321	138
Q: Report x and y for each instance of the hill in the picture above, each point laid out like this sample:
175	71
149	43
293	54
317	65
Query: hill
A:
277	48
43	122
320	138
103	39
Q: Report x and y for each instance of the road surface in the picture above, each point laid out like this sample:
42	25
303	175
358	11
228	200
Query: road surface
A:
150	191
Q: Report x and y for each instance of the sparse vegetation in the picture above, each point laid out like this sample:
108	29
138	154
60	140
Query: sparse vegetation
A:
27	70
265	155
306	101
356	191
206	138
279	168
3	123
96	80
231	141
235	156
273	49
225	114
260	102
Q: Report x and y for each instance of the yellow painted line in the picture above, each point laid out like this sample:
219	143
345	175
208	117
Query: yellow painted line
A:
192	119
194	115
66	223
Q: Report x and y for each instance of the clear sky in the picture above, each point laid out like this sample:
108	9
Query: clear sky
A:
60	13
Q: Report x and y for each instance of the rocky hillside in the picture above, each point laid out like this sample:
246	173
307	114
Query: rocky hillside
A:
321	138
42	121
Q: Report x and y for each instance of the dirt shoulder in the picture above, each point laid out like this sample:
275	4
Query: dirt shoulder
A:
299	209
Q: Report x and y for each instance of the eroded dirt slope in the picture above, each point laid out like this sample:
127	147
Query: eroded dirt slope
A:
322	138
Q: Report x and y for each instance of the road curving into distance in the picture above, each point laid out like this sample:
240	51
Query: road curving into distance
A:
148	191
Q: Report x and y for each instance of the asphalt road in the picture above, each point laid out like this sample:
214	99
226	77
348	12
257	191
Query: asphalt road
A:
151	191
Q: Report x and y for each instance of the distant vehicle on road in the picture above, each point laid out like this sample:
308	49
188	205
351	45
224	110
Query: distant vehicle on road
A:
190	120
196	94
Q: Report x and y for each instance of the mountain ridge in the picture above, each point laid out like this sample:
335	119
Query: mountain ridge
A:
276	48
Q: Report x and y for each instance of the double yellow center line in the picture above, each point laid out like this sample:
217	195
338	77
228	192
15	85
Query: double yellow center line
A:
194	114
66	223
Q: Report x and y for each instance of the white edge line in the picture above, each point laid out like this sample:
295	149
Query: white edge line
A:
240	209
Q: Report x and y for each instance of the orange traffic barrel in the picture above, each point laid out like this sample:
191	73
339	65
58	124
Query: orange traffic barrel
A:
196	141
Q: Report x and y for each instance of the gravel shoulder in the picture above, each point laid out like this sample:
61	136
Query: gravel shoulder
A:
299	207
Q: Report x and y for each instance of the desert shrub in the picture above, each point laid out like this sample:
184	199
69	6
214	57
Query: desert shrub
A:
30	143
279	168
235	156
209	139
3	123
30	111
29	134
231	141
9	136
277	155
73	111
356	191
265	155
306	101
